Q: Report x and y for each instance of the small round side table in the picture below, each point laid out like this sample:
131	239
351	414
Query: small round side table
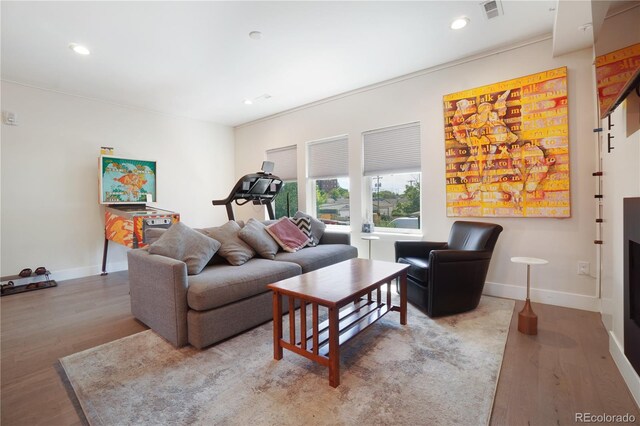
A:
370	238
527	319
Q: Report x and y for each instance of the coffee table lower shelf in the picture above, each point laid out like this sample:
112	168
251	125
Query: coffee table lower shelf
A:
352	321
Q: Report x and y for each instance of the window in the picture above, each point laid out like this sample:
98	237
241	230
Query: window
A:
329	172
395	200
286	168
286	204
392	175
332	201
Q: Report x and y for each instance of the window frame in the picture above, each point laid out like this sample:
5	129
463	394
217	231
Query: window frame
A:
312	179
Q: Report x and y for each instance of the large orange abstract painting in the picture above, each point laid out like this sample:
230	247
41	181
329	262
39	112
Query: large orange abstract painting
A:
507	148
615	72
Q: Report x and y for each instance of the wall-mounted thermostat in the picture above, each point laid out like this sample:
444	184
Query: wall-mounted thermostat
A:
9	118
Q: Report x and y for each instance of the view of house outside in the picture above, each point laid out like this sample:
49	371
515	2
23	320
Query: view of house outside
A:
395	201
332	201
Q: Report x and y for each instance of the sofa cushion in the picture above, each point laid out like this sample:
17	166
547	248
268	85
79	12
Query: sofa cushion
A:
220	285
287	235
418	268
312	258
233	248
152	235
183	243
304	224
317	226
255	234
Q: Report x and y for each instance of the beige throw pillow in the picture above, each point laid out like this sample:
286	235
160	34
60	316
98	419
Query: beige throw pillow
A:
233	248
183	243
255	234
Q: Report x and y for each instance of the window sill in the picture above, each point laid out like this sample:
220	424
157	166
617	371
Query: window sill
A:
339	229
392	236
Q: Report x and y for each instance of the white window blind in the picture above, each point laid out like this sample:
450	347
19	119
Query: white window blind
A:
392	150
285	162
329	158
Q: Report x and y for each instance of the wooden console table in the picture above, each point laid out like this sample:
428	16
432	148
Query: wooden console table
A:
355	286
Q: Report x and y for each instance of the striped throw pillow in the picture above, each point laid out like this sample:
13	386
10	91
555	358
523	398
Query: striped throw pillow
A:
304	224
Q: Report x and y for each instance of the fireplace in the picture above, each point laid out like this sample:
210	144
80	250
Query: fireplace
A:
632	281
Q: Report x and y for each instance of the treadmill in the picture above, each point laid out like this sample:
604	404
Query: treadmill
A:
258	188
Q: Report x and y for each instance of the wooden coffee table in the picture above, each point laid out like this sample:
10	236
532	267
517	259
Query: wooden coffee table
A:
351	293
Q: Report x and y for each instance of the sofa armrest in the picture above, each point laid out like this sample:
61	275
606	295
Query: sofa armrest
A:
158	288
417	248
330	237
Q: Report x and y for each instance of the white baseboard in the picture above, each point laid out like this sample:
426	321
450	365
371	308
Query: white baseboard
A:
86	271
550	297
629	374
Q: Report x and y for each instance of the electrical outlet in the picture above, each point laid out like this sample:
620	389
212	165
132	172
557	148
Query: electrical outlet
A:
583	268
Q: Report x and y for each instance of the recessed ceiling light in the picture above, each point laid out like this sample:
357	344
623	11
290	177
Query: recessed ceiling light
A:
256	35
260	98
459	23
79	49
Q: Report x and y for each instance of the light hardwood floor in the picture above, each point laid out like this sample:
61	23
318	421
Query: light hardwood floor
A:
545	379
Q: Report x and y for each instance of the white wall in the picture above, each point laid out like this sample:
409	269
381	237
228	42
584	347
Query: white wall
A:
50	211
419	98
621	179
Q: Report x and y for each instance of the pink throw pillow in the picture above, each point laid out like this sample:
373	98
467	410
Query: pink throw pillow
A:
287	235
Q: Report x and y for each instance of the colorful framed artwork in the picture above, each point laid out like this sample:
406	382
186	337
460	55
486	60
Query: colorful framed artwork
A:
615	73
127	181
507	148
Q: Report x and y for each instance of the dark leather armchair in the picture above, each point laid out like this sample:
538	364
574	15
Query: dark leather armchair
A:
448	278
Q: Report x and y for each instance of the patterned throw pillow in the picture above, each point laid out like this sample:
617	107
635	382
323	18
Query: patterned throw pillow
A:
304	224
287	235
317	226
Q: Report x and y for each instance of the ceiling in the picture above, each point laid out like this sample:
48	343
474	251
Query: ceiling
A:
196	59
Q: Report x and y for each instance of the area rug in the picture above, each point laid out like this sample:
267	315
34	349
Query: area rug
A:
431	371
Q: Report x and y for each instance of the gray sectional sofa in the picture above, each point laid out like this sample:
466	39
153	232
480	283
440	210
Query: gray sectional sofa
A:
222	300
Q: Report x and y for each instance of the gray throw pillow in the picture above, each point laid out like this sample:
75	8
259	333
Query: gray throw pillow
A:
183	243
317	227
255	234
233	248
152	235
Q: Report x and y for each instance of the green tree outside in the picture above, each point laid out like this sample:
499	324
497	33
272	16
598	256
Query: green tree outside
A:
412	203
290	190
337	193
321	196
